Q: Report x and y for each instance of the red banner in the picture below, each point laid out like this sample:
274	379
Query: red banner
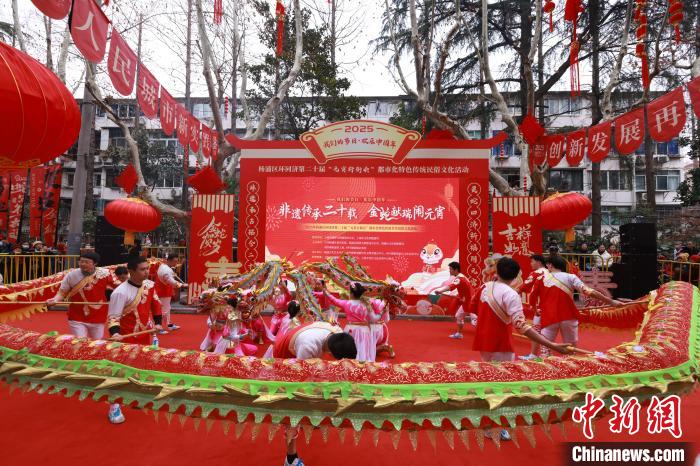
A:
575	147
147	92
37	176
195	127
629	131
554	149
54	9
18	188
4	202
516	229
121	64
206	141
214	144
183	127
599	141
211	241
694	91
89	29
666	115
52	199
168	112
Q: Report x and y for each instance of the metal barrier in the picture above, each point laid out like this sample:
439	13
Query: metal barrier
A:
22	267
679	271
589	262
162	252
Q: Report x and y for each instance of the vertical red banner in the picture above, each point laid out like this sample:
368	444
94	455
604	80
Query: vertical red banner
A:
516	229
4	202
18	188
211	241
37	175
52	198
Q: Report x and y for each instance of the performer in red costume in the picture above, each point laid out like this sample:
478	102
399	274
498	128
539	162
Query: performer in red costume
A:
88	283
500	311
537	263
166	282
307	342
280	301
555	293
457	305
133	307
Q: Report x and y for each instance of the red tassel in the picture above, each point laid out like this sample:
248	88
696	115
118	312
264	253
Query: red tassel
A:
645	71
279	10
678	34
551	23
574	67
218	11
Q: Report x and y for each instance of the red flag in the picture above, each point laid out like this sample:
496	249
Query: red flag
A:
4	201
168	112
279	10
531	129
52	198
694	91
147	92
554	149
538	154
575	147
54	9
183	127
629	131
195	127
88	28
206	141
666	115
37	176
599	141
121	64
214	145
18	188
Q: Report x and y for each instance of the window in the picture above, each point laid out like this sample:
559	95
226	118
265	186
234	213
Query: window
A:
668	180
68	180
566	180
514	108
169	180
614	216
615	180
377	107
97	180
202	111
576	105
511	176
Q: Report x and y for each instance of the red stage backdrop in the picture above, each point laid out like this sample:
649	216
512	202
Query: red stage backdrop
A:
37	175
516	229
211	241
405	207
18	188
51	200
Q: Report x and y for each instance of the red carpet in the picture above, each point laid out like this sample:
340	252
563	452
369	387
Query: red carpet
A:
50	429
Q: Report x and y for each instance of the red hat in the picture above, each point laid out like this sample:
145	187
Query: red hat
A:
695	258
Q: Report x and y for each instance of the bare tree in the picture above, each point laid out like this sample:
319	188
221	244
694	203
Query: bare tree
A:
18	28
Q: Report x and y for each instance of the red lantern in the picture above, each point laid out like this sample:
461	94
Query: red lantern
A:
132	215
40	118
549	8
563	211
675	17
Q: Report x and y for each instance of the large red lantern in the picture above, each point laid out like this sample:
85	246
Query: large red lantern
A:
40	119
132	215
563	211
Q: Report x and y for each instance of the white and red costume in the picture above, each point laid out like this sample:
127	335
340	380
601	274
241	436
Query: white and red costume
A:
87	320
133	309
500	310
280	316
457	305
555	294
216	323
166	283
367	323
305	342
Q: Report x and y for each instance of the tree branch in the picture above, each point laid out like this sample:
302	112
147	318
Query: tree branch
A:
606	101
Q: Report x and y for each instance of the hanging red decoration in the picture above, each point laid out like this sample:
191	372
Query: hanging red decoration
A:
539	154
279	14
554	149
88	27
549	8
127	179
225	106
666	115
206	181
599	141
132	215
675	17
531	129
218	11
563	211
694	91
575	147
572	8
629	131
641	34
42	118
54	9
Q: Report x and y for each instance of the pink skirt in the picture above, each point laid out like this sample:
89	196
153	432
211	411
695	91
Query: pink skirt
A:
366	339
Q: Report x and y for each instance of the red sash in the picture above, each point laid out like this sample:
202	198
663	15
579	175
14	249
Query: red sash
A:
282	347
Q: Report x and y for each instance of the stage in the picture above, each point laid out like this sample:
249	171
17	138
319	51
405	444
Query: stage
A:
55	430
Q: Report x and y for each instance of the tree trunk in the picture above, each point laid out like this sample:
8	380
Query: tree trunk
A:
188	105
77	207
18	27
649	168
596	114
49	55
90	173
137	110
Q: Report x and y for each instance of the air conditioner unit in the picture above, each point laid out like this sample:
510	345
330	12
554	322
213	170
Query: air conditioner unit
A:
660	158
643	196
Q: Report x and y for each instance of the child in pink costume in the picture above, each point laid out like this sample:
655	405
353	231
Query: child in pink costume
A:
279	303
366	321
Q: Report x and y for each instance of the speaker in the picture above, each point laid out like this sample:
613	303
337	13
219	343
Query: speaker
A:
109	242
638	238
636	276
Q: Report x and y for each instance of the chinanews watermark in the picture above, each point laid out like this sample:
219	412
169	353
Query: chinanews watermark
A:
660	415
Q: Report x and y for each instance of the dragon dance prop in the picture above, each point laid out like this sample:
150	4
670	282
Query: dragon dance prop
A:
454	398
